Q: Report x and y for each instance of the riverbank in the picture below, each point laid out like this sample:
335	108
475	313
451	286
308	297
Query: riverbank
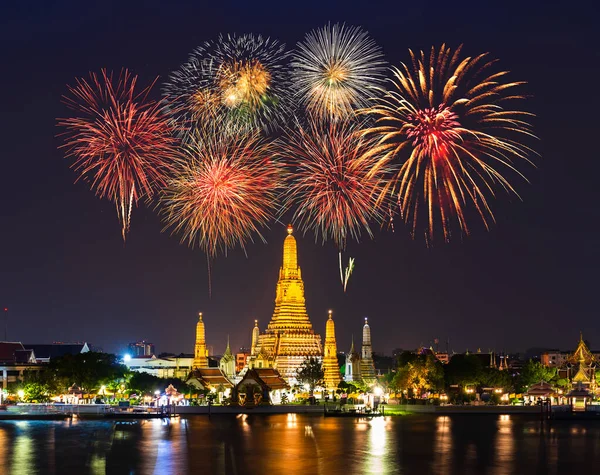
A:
388	410
95	412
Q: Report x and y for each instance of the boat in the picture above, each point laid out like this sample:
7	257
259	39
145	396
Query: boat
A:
351	410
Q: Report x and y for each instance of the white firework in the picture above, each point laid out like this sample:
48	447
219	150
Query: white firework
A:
335	70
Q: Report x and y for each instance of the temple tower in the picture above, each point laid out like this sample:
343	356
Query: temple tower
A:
367	368
227	363
352	372
200	351
330	363
255	335
289	338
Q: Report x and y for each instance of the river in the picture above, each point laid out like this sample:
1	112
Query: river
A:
308	444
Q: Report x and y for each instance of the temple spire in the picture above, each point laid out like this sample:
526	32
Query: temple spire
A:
255	335
367	367
289	337
330	364
290	255
200	352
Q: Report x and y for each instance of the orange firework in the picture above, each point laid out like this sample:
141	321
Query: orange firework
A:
119	140
224	192
335	190
453	125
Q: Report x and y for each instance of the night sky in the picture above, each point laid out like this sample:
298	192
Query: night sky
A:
66	275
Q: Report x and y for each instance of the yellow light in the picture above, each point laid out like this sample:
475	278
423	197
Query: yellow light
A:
21	393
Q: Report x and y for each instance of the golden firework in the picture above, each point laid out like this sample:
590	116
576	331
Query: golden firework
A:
452	125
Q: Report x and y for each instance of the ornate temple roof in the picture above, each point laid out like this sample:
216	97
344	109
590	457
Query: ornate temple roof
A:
210	377
582	354
227	356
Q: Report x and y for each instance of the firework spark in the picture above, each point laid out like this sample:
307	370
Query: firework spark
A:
224	192
452	125
119	140
240	80
335	190
335	70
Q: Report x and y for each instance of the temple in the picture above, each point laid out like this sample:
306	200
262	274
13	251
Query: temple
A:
367	367
227	363
289	337
581	366
360	367
330	363
200	351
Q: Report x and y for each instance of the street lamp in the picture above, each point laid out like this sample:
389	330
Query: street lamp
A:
21	393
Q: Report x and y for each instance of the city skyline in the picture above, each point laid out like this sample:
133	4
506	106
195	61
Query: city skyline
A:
66	274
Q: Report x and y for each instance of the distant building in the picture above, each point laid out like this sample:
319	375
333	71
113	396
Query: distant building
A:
44	353
241	359
554	358
141	348
163	366
14	360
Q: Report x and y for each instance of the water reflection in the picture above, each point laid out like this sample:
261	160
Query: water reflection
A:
298	443
504	445
443	444
378	451
23	451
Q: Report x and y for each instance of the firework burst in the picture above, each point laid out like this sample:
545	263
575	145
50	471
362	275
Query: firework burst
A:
453	125
239	80
119	139
226	189
335	70
335	190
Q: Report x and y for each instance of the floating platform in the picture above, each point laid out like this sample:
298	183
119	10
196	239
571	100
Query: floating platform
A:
360	415
14	416
124	416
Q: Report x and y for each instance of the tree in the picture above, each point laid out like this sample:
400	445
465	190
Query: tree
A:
311	373
88	370
419	375
534	372
495	378
464	370
146	383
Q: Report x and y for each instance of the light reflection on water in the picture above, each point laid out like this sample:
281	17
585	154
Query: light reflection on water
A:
296	443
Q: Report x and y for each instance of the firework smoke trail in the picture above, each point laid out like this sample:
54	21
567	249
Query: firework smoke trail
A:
119	140
240	81
227	188
454	127
335	70
334	191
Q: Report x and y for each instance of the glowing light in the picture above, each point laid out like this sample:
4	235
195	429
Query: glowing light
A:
127	358
21	393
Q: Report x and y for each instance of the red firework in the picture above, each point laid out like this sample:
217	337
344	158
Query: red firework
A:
336	192
119	139
226	189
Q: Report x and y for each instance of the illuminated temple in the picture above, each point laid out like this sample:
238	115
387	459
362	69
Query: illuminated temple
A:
289	338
